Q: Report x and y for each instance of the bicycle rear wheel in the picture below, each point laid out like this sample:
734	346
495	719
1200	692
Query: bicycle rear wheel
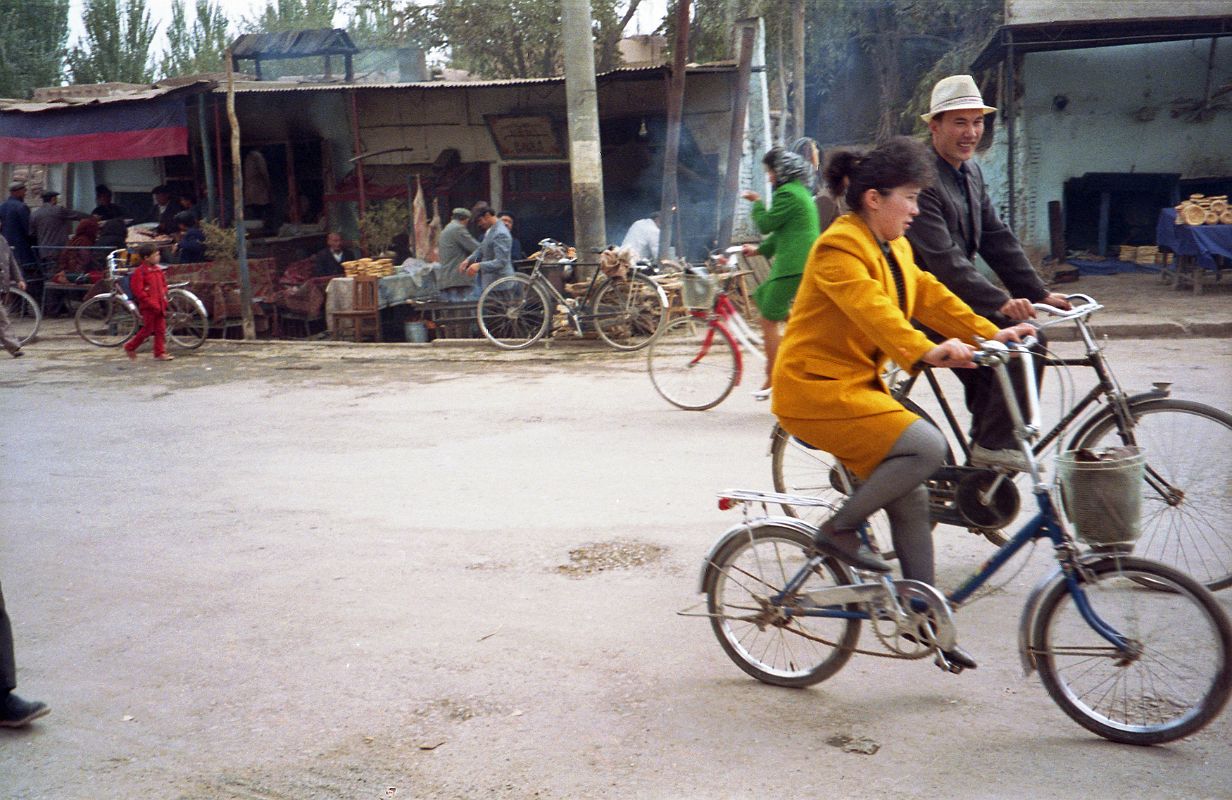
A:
187	325
693	364
764	641
106	321
1186	498
514	312
1180	675
24	315
628	313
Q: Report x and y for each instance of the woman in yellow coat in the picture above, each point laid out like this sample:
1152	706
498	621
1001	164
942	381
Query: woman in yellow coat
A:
852	314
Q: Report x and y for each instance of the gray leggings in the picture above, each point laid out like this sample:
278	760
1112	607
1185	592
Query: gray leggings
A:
897	485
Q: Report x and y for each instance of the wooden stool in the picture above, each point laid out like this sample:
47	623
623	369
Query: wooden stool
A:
364	311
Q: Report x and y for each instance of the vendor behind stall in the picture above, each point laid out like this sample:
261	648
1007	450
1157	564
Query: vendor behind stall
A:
328	262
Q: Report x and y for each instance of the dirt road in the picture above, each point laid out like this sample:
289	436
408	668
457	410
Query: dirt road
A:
279	573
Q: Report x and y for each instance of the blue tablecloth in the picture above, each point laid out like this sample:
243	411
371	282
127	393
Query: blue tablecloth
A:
1203	241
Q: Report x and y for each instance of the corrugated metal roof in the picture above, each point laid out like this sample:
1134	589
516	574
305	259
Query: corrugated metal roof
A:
246	87
61	103
294	44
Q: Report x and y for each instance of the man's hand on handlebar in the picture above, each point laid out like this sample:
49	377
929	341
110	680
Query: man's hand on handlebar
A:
1018	309
951	353
1057	301
1015	333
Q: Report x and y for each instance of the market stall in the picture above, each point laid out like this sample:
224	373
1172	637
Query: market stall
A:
1192	252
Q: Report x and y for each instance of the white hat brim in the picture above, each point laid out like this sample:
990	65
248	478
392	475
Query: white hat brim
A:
958	105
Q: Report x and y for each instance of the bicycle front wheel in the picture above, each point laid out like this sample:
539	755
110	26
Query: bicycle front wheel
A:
187	325
766	640
514	312
24	315
693	364
106	321
1178	675
629	313
1186	497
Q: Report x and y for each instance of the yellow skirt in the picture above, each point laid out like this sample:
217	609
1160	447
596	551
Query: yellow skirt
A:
861	443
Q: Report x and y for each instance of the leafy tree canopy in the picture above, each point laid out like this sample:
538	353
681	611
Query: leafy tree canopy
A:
33	43
199	47
118	35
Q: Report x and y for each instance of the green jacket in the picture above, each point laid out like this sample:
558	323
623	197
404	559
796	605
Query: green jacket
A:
790	227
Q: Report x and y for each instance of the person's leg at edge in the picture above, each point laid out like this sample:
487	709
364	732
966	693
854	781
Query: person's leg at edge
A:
771	335
14	711
130	347
160	337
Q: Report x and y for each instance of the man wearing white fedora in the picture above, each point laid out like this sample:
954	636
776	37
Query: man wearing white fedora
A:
957	221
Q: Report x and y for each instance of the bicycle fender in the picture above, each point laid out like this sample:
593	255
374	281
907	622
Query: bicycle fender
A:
742	528
1030	610
192	298
1106	411
1026	622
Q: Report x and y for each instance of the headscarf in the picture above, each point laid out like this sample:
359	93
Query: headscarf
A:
788	167
85	236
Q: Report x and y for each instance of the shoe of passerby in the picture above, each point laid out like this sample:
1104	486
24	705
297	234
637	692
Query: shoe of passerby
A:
17	353
132	354
164	357
1010	459
17	713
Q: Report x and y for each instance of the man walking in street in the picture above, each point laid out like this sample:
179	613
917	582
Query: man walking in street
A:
455	244
50	225
14	711
957	221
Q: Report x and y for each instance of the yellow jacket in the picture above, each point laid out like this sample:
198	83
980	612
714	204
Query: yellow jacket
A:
846	323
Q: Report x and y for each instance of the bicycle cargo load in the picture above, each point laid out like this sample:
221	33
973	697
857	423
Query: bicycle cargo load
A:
698	289
1101	491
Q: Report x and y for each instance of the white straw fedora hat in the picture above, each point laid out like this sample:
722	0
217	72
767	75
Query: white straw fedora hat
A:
954	93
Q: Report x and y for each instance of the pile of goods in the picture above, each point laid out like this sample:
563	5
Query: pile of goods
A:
1146	254
1201	210
375	267
554	254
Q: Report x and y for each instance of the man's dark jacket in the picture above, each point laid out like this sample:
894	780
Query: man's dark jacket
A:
324	263
945	238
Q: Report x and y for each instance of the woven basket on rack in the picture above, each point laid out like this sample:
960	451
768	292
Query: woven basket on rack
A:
1102	494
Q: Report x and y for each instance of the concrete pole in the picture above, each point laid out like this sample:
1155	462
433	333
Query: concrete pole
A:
582	101
669	197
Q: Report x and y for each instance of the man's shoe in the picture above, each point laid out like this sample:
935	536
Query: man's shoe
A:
17	713
1009	459
861	558
17	353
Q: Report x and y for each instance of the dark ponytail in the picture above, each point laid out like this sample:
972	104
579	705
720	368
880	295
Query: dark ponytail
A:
899	162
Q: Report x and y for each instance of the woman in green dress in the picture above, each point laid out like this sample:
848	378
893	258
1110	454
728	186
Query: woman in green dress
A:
790	227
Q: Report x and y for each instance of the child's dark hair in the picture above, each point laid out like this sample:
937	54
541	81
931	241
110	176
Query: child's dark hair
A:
899	162
146	250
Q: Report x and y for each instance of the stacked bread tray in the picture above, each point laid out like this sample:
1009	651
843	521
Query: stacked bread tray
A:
375	267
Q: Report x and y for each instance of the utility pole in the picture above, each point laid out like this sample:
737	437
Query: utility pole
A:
669	197
797	83
582	101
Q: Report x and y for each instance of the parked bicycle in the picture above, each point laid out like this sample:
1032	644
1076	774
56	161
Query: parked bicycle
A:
1187	509
516	311
698	359
111	318
24	313
1133	650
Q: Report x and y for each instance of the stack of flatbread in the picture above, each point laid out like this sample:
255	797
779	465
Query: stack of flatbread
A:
1202	210
376	267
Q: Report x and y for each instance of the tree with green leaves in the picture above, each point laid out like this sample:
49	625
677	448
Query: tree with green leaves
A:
293	15
33	43
199	47
116	45
516	38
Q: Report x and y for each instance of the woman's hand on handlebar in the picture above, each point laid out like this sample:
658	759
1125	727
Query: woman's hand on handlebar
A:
748	250
950	353
1015	333
751	196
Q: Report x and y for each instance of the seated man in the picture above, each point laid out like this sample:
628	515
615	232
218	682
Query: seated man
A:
191	244
328	262
163	210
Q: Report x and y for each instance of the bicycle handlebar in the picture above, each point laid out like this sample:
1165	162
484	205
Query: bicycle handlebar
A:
1085	309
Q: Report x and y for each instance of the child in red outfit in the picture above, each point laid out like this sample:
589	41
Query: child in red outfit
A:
149	288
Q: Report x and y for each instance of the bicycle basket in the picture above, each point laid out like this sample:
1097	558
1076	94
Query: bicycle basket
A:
1101	491
697	289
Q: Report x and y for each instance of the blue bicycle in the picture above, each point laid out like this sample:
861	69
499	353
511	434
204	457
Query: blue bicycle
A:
1134	650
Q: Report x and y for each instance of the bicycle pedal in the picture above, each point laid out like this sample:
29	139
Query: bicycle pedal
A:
945	665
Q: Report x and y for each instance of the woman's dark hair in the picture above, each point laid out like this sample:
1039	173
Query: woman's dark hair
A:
145	250
899	162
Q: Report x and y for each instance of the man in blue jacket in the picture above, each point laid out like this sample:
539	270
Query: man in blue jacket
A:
15	219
